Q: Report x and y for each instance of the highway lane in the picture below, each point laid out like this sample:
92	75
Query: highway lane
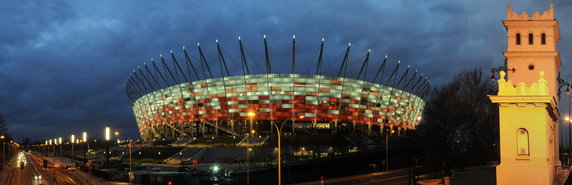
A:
34	173
23	172
56	173
393	177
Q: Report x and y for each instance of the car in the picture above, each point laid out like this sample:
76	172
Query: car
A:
72	168
37	177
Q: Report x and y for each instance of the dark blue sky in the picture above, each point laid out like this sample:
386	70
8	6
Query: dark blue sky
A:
63	64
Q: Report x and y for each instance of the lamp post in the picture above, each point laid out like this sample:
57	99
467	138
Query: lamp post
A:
84	138
569	126
130	162
48	148
278	132
61	145
4	153
9	150
107	138
72	142
248	149
387	149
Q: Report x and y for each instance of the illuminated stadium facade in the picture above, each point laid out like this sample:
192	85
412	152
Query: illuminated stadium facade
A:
171	100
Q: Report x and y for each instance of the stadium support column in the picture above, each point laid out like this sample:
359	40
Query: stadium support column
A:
250	126
216	128
293	79
342	69
318	73
363	70
232	125
268	71
203	128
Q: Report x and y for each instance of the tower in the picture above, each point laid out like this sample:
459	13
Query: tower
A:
528	110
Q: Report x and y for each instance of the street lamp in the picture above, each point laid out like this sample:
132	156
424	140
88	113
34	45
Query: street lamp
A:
278	132
61	150
10	150
3	152
248	149
107	138
72	142
387	149
48	148
84	138
569	126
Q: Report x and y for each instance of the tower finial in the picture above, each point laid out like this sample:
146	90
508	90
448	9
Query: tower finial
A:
509	6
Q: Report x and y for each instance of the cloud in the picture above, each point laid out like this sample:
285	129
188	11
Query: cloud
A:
63	64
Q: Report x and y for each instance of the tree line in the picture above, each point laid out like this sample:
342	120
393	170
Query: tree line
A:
460	124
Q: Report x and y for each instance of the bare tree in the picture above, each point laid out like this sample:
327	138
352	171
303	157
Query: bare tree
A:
2	125
461	124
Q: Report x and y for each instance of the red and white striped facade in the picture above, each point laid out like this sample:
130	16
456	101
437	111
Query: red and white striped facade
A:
278	97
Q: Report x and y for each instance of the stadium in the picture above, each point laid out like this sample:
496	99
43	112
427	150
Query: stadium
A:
186	96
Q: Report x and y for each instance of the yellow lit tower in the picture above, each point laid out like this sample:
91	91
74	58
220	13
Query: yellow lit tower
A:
528	110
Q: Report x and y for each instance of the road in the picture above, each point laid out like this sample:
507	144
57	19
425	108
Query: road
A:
20	170
393	177
27	168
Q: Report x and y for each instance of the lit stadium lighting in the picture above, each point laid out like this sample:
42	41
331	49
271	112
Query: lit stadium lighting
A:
193	90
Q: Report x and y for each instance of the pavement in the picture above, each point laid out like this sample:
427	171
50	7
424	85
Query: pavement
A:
392	177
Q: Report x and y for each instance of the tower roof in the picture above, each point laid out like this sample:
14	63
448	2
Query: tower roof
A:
547	15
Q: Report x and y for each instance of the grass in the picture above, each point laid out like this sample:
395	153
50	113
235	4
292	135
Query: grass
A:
217	141
151	154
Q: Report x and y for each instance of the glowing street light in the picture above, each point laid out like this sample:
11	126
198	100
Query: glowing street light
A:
84	138
3	152
72	149
107	133
278	131
107	138
61	149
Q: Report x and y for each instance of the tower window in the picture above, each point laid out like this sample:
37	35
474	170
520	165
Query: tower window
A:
522	145
530	39
518	39
543	39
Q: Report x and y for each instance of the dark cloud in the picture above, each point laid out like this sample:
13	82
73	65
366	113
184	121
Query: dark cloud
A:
63	64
